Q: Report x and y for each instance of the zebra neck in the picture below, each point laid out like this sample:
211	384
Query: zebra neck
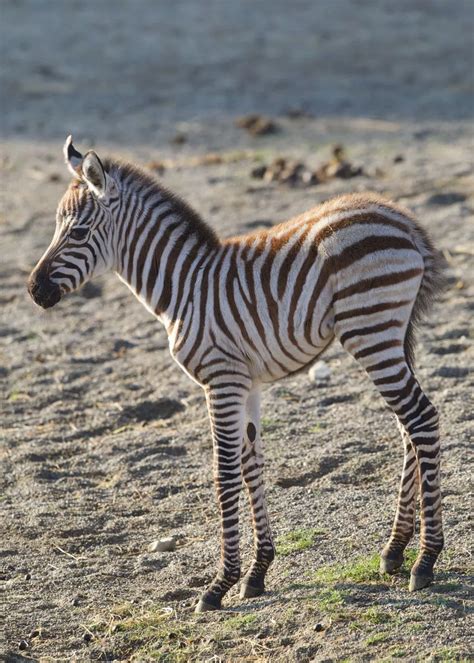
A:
158	251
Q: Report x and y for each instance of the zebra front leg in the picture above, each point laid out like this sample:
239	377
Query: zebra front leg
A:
226	407
253	583
404	524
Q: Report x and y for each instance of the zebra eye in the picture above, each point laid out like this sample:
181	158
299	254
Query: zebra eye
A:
78	233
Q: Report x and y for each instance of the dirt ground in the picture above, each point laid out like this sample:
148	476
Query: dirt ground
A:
105	442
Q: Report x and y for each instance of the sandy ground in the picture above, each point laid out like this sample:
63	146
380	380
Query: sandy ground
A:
105	443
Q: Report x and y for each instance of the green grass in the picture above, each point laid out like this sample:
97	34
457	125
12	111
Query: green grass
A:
17	395
449	655
268	425
361	570
297	540
159	634
330	600
397	652
364	569
318	427
376	639
376	616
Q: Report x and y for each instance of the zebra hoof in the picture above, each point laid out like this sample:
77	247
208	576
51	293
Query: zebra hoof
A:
390	564
207	603
248	591
419	582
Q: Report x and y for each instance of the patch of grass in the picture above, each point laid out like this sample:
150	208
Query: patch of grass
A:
449	655
268	425
330	600
17	395
287	395
144	634
161	634
239	624
364	569
376	616
410	557
317	428
296	540
376	639
397	652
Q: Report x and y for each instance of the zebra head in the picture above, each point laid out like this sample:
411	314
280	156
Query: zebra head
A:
82	244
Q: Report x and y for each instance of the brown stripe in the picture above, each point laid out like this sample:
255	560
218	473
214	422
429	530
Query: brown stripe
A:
272	304
369	310
376	282
365	331
288	261
156	265
232	277
378	347
204	289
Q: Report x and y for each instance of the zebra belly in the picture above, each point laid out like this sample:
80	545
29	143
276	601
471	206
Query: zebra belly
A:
293	340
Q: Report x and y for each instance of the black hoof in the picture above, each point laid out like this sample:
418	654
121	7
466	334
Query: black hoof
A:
207	603
391	564
419	582
248	591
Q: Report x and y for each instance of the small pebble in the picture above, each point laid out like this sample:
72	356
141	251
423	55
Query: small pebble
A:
319	371
163	545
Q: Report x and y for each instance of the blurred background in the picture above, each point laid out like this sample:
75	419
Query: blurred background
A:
124	70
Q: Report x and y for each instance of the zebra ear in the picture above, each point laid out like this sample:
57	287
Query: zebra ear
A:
93	173
72	157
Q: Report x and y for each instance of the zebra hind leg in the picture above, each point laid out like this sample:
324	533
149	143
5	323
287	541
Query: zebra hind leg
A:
404	525
385	362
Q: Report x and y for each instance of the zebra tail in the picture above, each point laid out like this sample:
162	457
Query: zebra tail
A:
434	282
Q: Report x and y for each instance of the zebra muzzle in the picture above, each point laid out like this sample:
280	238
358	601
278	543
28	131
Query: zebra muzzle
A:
44	292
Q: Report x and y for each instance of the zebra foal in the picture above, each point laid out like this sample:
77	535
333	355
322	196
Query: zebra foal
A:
249	310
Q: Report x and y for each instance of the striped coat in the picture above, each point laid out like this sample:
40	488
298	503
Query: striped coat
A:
249	310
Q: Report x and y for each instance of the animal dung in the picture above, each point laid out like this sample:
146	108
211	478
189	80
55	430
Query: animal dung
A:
296	173
256	125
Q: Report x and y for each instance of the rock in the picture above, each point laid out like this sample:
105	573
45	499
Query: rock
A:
163	545
319	371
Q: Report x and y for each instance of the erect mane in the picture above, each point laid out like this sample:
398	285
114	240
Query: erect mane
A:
127	171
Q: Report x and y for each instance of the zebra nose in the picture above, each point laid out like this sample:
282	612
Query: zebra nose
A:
44	292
